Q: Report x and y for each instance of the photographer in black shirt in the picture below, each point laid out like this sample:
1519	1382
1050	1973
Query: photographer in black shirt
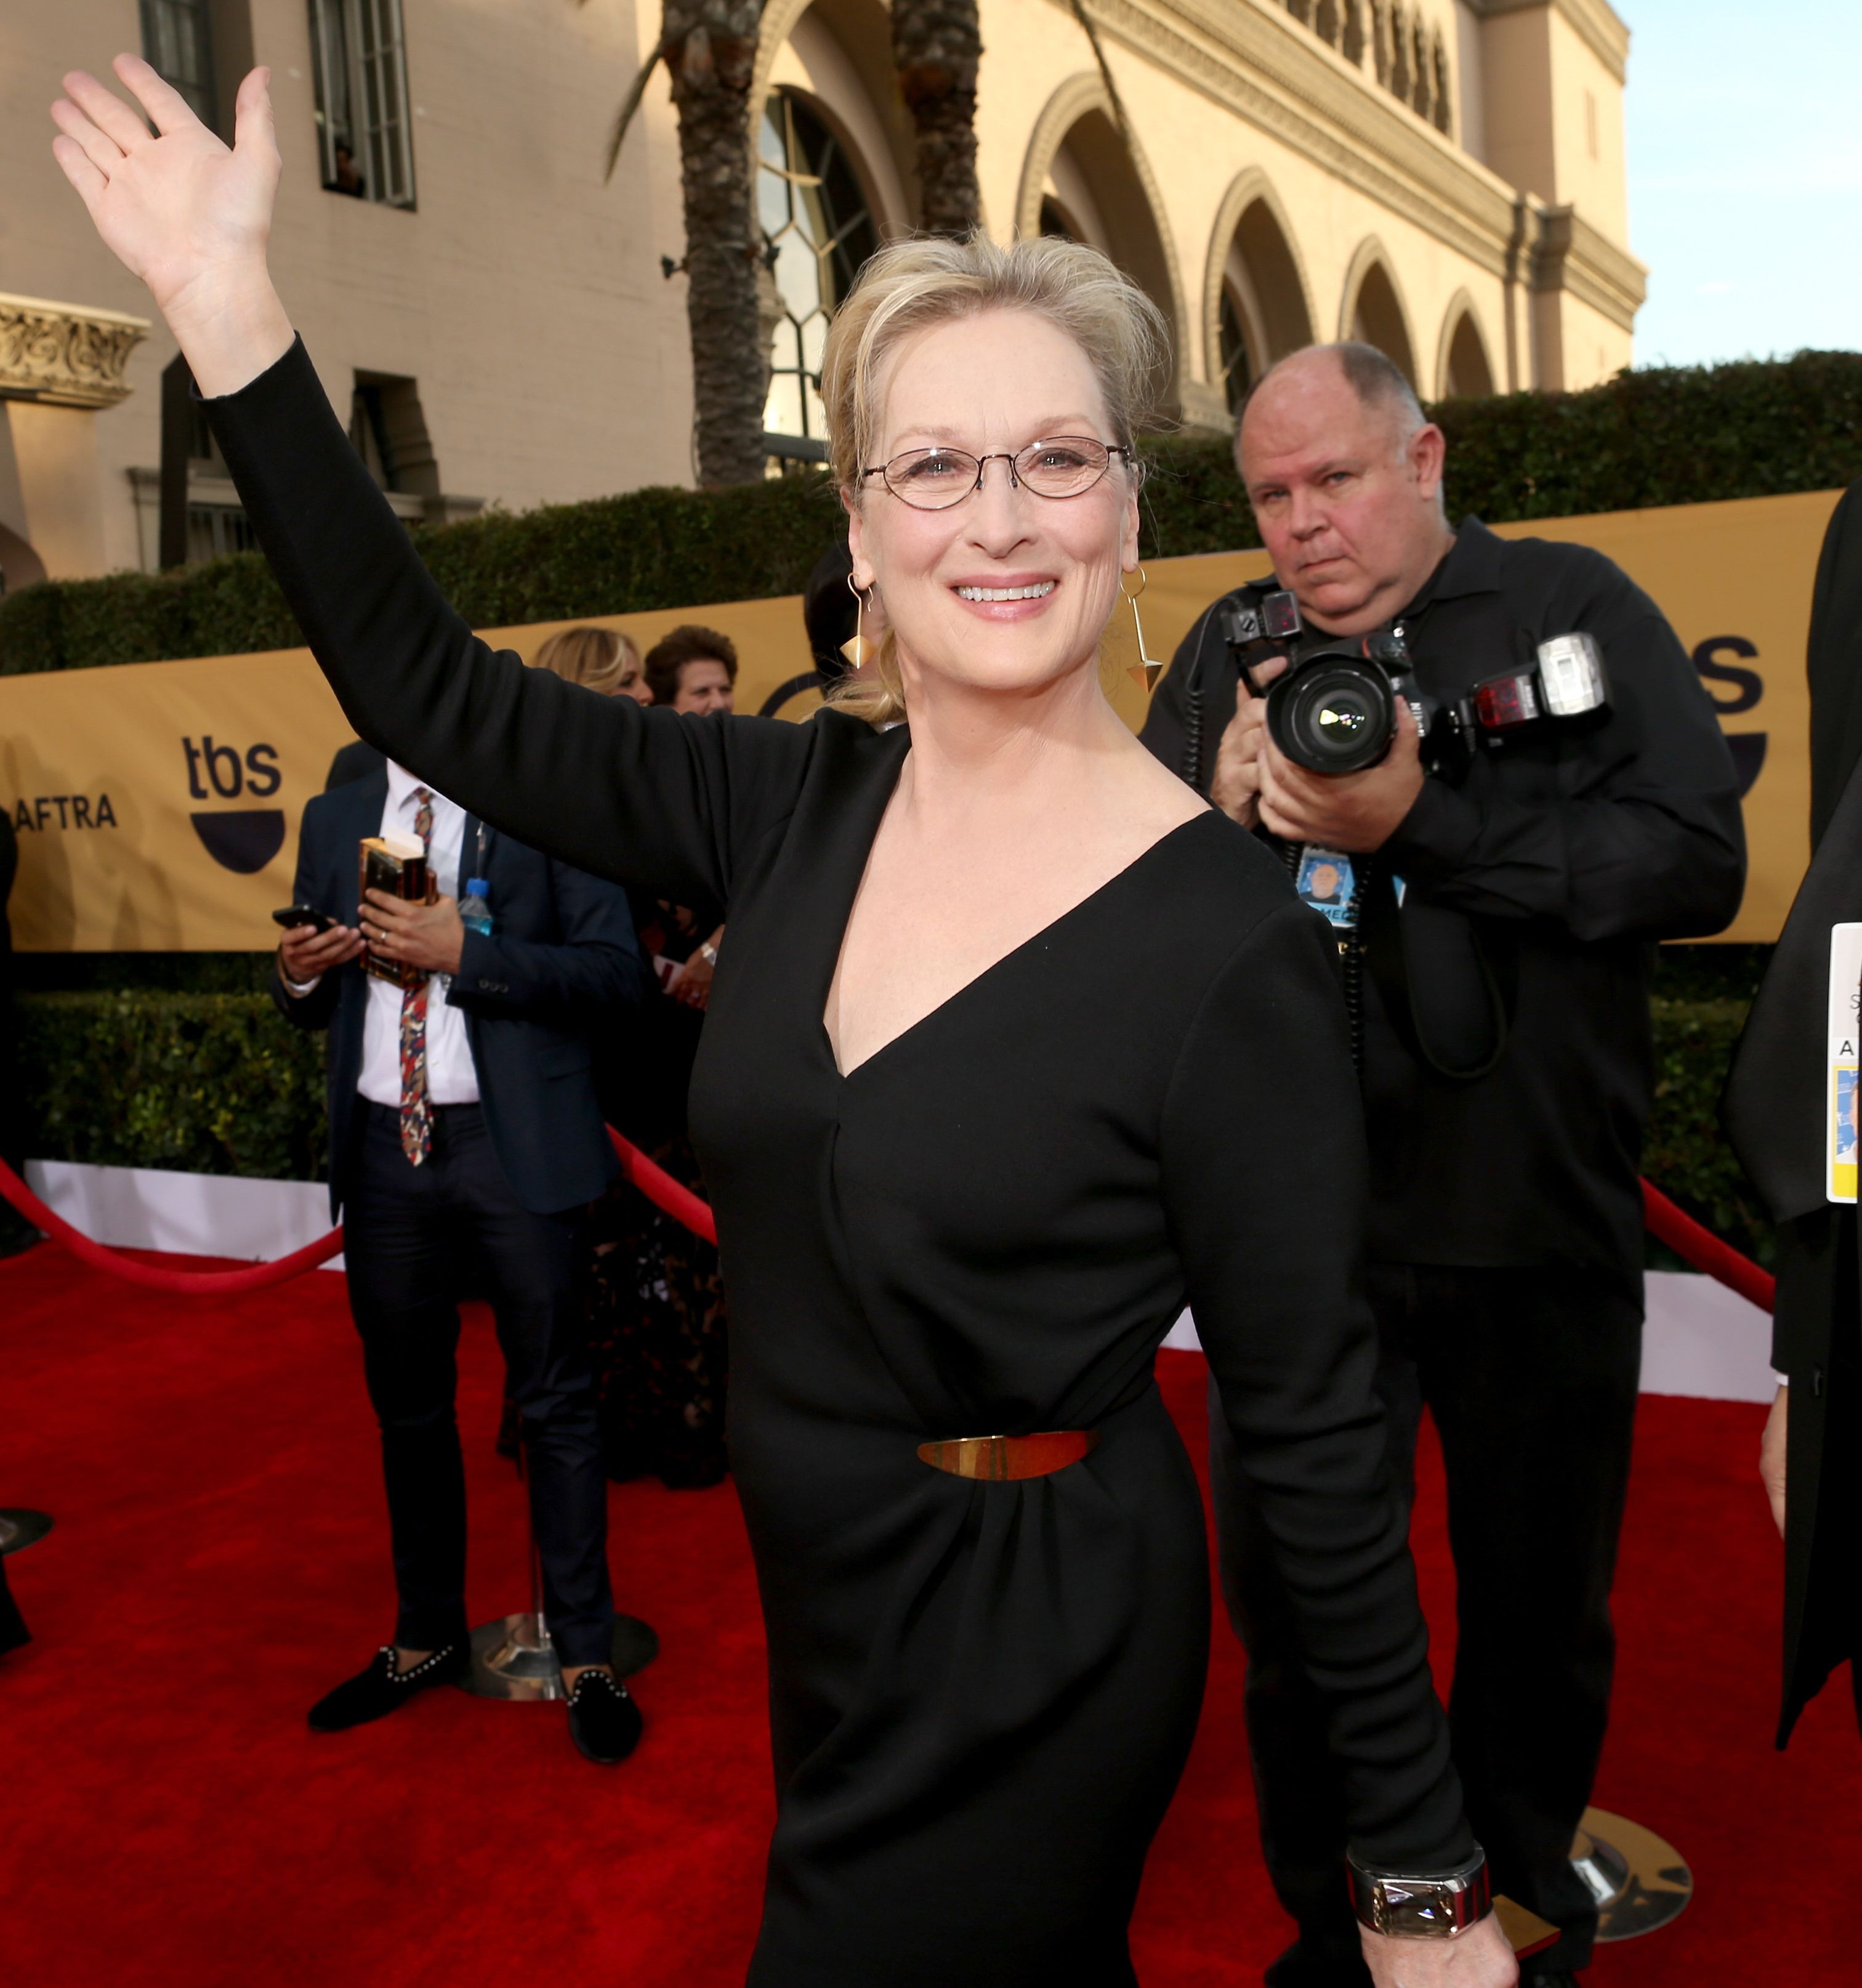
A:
1496	875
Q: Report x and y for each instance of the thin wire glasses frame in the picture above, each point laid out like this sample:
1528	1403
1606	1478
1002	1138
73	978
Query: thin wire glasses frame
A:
1056	467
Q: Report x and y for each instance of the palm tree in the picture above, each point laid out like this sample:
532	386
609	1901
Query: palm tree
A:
709	49
937	47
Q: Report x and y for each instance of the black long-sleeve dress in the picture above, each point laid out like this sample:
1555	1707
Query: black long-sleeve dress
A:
981	1694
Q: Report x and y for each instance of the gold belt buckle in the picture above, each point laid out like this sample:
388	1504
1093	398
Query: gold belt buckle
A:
1005	1459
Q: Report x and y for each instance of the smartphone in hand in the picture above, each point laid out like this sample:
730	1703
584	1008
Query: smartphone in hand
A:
292	916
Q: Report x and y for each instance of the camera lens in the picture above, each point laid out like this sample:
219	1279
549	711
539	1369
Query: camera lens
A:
1334	714
1341	721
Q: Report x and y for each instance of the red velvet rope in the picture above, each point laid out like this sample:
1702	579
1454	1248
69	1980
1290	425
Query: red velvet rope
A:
1680	1232
152	1277
670	1196
1705	1251
654	1182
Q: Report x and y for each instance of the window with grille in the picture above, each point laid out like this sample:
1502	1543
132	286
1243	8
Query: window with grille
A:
1237	370
364	137
214	530
815	219
178	44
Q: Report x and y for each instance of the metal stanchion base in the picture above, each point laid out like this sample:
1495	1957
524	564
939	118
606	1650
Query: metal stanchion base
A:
19	1530
513	1658
1639	1882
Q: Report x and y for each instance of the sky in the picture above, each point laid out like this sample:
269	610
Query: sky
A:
1744	148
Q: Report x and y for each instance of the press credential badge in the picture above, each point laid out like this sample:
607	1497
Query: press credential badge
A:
1845	1038
1327	881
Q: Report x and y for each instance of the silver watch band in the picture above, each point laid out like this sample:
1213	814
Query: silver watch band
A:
1440	1907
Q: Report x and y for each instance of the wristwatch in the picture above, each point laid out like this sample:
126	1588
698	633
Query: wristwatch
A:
1441	1907
708	953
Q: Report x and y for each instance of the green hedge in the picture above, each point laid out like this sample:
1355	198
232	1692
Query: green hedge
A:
654	548
221	1083
1665	435
1685	1153
209	1083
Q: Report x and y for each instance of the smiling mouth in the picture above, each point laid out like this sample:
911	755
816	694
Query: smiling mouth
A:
1039	591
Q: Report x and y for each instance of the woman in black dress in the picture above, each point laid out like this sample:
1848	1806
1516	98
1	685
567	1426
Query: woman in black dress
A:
1014	1047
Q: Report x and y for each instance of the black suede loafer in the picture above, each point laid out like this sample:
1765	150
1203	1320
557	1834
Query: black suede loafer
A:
603	1720
381	1688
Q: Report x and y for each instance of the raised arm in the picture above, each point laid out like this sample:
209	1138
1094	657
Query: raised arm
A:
644	797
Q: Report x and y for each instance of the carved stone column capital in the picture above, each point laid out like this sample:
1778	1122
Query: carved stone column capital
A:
65	355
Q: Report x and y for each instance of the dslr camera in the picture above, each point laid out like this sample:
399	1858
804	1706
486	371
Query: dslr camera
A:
1334	709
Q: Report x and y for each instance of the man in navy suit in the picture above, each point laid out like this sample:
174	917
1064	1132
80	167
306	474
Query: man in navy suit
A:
464	1128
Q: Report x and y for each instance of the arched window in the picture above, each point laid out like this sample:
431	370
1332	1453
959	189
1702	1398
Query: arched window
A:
1377	319
1467	370
1238	372
1259	309
815	216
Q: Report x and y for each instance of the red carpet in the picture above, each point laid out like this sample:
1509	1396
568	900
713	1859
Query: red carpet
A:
220	1558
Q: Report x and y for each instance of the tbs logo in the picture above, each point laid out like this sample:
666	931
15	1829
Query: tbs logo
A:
241	839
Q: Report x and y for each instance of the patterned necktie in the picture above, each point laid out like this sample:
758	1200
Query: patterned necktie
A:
416	1107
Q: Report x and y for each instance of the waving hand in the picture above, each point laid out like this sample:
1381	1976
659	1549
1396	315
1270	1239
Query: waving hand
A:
180	210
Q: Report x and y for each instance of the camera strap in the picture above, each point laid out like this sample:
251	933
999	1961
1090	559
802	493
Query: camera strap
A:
1449	987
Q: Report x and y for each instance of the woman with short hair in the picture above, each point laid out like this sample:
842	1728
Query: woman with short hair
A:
1016	1047
693	670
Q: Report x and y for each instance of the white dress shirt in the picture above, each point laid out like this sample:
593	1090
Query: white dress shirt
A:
452	1078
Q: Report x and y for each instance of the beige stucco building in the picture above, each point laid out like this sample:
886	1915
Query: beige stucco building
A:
1445	178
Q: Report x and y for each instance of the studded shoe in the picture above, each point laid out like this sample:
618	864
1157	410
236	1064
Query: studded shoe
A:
373	1693
603	1721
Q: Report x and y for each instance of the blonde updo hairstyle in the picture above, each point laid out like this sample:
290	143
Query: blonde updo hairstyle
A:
922	281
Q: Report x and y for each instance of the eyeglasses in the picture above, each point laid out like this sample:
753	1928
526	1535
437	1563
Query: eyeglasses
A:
934	479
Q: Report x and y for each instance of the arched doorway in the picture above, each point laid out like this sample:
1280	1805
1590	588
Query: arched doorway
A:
1465	370
816	215
1373	313
1255	307
1080	179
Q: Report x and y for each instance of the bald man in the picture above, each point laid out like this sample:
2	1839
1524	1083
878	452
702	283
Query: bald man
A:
1498	917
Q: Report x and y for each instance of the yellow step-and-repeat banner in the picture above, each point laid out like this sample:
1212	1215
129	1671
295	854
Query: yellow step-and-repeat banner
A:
156	805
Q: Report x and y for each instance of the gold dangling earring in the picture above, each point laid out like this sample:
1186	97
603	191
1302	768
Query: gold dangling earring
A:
1145	673
857	650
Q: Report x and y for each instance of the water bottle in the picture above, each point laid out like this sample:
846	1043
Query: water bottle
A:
476	907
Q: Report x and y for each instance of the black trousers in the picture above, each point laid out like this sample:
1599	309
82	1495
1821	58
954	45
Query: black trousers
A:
1531	1377
410	1233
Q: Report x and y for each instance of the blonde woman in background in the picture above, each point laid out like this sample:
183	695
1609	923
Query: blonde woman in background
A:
970	1152
600	659
695	669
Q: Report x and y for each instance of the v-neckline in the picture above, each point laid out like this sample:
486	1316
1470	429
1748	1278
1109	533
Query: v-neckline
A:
995	966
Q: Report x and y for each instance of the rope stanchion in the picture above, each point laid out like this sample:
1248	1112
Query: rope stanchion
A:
670	1196
152	1277
1705	1251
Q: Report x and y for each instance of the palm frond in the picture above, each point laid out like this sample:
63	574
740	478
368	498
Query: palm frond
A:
624	115
1105	71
